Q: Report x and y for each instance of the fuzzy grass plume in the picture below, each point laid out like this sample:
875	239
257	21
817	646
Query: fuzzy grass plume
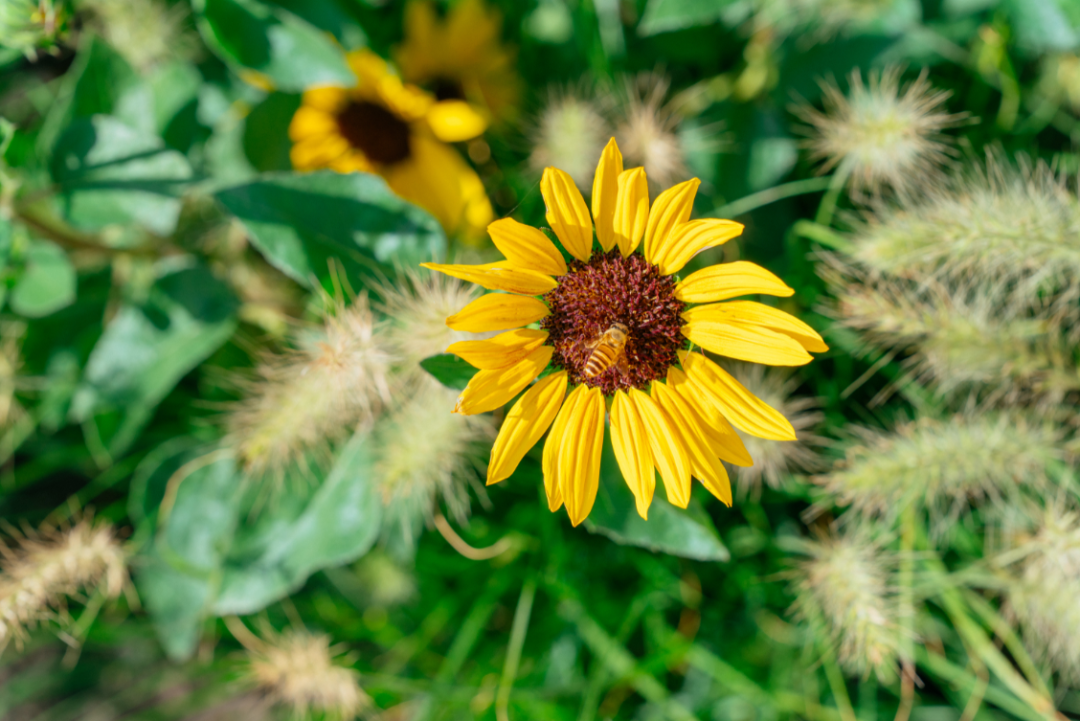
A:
646	128
887	135
943	466
43	568
1043	594
961	340
146	32
843	588
304	400
774	460
1005	224
301	671
10	362
569	133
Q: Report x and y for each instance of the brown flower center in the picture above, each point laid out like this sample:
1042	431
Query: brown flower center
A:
594	296
379	134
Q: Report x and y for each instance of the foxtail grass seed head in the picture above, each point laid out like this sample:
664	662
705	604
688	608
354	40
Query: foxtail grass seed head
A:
146	32
569	133
42	569
384	581
1042	597
416	309
300	670
425	457
774	461
1006	224
646	128
303	400
943	466
961	341
10	363
843	586
886	134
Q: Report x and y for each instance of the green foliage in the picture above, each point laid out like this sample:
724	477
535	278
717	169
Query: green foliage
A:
164	267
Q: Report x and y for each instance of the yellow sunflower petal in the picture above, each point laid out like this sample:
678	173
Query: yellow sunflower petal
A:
552	449
489	390
729	280
455	120
605	191
527	247
579	455
689	239
567	213
502	351
723	439
704	465
747	342
671	208
498	311
328	99
668	451
308	121
499	276
525	425
631	210
748	312
745	410
319	152
630	441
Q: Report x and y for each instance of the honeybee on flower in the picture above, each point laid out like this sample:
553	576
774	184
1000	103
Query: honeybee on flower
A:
671	409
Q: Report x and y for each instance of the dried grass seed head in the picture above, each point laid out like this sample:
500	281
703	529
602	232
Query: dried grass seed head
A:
1011	226
944	467
646	128
305	399
300	670
1042	595
775	460
886	134
569	133
147	33
962	341
11	410
43	568
844	585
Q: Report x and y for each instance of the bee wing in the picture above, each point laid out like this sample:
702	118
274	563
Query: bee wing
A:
623	364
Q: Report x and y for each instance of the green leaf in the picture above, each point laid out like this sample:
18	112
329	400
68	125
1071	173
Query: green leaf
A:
100	82
290	52
338	525
109	174
663	16
270	119
299	221
688	533
147	348
47	284
449	370
1041	26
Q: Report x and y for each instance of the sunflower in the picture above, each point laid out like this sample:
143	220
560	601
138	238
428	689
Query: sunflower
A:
385	126
670	408
460	59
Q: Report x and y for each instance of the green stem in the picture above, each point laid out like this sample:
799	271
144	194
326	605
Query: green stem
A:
770	195
1008	636
836	682
822	234
836	185
942	668
513	652
907	610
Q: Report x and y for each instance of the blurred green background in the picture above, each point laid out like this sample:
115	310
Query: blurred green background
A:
274	544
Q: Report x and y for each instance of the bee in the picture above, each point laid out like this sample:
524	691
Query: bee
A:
608	350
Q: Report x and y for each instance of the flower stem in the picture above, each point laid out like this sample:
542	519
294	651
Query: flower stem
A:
770	195
836	184
513	652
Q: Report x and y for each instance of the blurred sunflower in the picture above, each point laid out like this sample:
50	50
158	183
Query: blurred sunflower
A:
614	324
461	59
398	131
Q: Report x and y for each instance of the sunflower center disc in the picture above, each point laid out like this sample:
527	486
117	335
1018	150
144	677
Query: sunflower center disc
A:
612	289
378	133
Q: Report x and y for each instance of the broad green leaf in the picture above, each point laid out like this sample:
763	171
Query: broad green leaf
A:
1041	26
338	525
292	54
270	119
100	82
328	16
449	370
146	349
47	283
179	576
109	174
770	160
663	16
687	533
301	220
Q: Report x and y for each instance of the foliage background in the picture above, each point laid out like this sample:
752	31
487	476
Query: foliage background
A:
155	241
